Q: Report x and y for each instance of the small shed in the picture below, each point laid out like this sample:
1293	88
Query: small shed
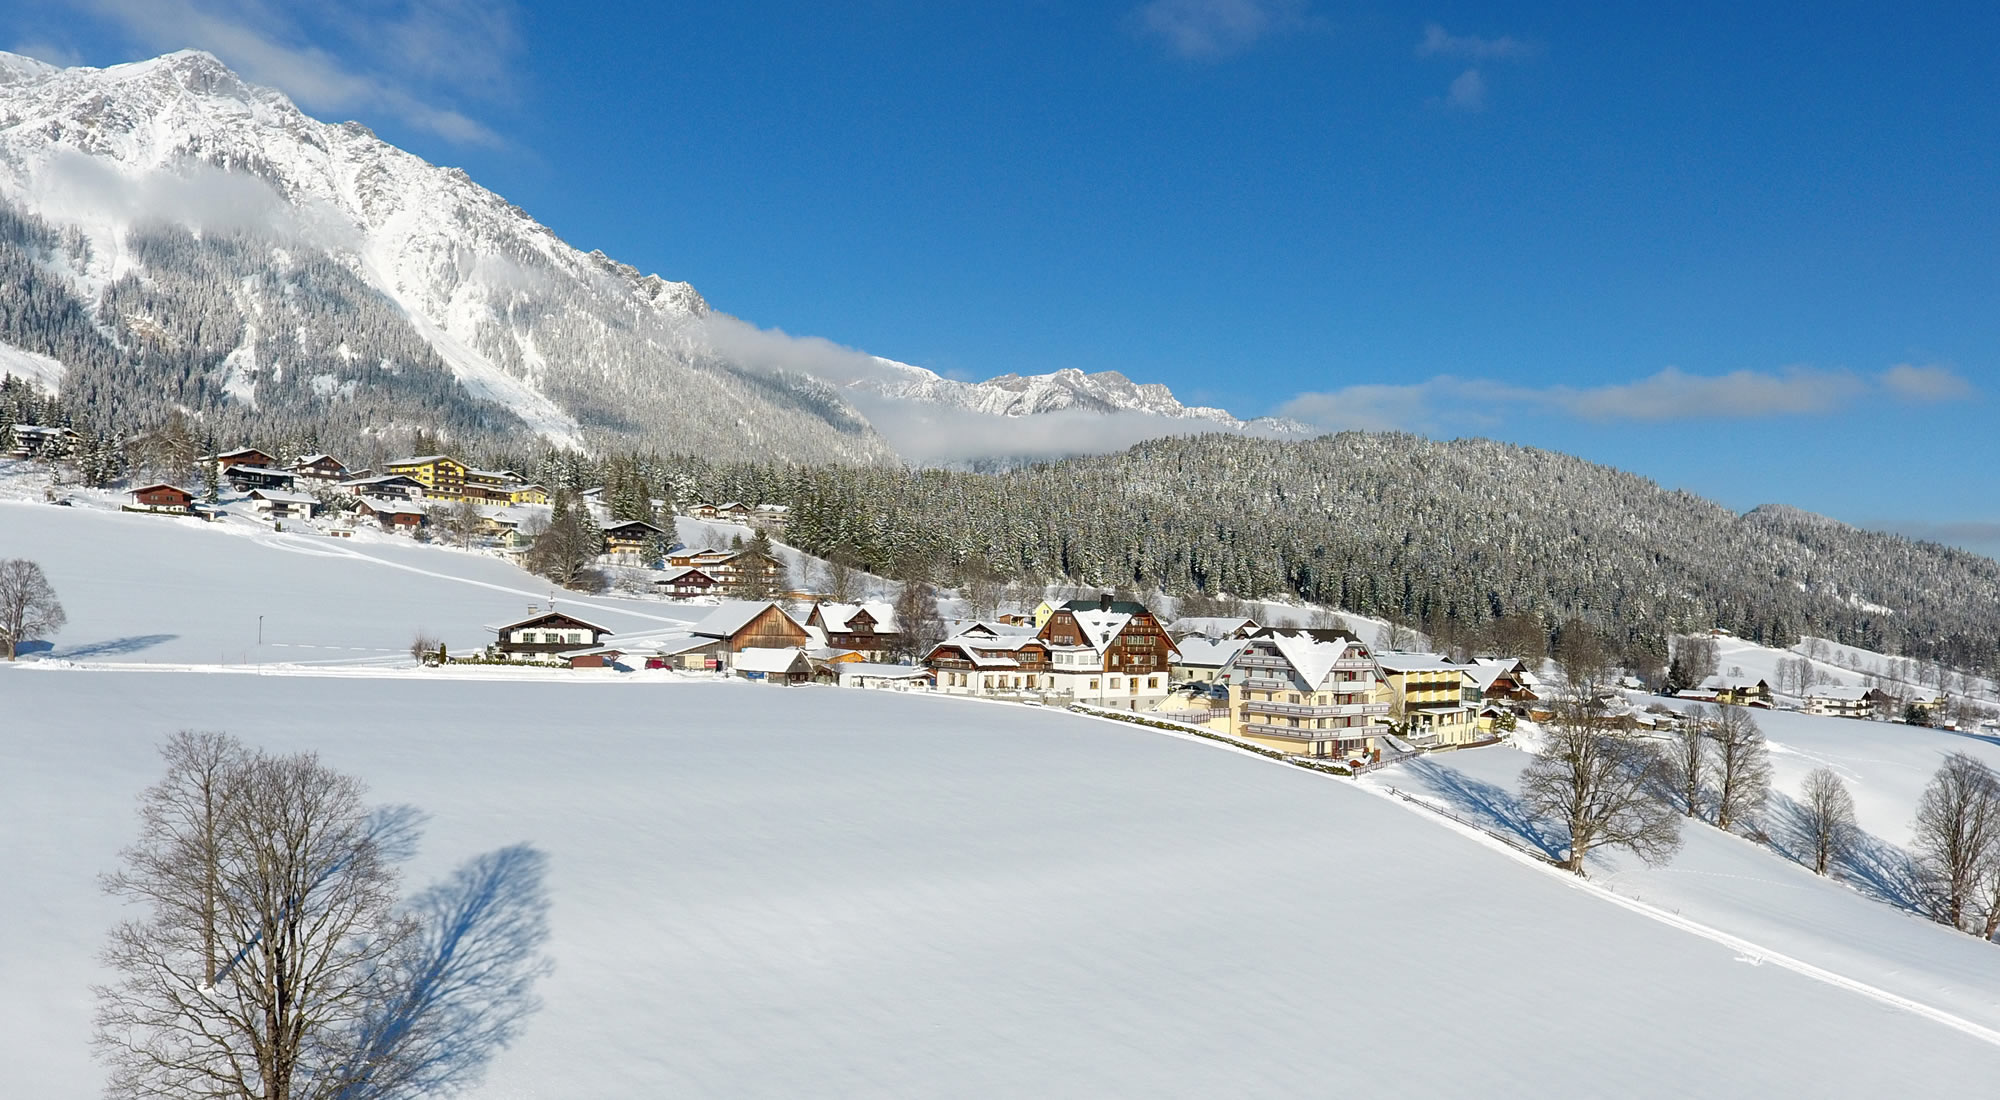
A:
773	666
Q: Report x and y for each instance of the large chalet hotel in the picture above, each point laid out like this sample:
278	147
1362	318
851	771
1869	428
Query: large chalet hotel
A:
1104	651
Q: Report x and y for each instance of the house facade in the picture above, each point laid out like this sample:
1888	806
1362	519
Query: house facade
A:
279	505
869	629
749	624
1110	653
241	456
1850	702
384	487
393	515
1308	693
1737	692
163	498
547	635
1438	701
321	468
243	478
628	538
980	662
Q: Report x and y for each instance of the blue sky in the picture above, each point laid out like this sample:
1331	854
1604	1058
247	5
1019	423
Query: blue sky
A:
1748	250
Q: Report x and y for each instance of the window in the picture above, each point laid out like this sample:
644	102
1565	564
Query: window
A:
1153	681
1093	685
1114	683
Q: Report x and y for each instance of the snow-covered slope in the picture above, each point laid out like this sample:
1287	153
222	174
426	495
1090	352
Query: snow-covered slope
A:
778	892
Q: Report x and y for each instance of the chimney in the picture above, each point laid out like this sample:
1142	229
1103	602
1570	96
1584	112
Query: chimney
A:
1104	602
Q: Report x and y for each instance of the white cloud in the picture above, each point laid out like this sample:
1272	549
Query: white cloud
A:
1468	92
1445	403
75	187
1909	382
406	58
1211	29
55	53
1437	42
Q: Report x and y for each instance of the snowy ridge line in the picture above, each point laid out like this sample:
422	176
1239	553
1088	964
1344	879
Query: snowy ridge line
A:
1752	953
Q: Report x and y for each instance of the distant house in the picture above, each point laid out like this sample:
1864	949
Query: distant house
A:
773	666
31	440
884	677
442	476
701	509
163	498
385	486
771	518
1737	692
1841	701
1201	658
628	538
726	567
1504	681
686	583
546	635
322	468
502	487
982	662
393	515
241	456
280	505
752	624
243	478
1211	626
866	628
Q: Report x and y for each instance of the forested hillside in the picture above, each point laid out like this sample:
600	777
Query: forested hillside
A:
1448	535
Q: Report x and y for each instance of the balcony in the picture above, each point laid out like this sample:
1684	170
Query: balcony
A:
1314	710
1265	683
1355	664
1253	659
1353	735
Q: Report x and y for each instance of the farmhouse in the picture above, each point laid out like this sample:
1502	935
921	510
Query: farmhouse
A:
686	582
392	515
163	498
787	665
323	468
752	624
1109	652
545	635
865	628
1730	691
985	663
241	456
246	477
1850	702
628	538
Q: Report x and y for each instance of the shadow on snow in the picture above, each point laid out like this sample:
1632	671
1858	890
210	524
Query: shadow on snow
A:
1486	804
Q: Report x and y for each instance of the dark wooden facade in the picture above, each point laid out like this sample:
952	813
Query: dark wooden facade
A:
164	498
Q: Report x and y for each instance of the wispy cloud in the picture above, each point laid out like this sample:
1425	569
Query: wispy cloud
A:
55	53
1208	30
1978	536
1467	93
1909	382
406	58
1437	42
1446	402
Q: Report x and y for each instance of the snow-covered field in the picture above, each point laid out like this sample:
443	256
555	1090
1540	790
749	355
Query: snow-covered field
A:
778	892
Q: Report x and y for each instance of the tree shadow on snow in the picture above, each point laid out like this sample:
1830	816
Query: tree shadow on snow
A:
113	648
461	993
1878	869
1486	804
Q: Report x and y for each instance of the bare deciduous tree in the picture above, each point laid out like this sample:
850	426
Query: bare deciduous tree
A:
1396	637
270	904
1687	755
1601	785
424	646
838	580
1829	816
1957	832
273	961
28	605
1742	765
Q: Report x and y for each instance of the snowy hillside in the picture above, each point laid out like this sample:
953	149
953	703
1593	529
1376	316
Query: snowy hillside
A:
763	891
170	223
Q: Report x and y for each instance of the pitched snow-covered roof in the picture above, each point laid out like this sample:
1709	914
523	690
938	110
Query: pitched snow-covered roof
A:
836	615
1101	628
544	616
1311	657
989	629
310	460
1729	683
891	672
419	460
672	645
1201	652
1841	692
673	575
1416	662
280	497
732	616
378	506
1210	626
754	659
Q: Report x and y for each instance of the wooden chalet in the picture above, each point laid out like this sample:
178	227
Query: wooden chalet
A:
163	498
241	456
629	537
866	628
393	515
752	624
686	583
319	468
544	635
1126	635
31	440
980	663
244	477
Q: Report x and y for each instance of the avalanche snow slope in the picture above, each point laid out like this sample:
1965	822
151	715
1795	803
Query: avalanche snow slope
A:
785	892
166	589
1860	923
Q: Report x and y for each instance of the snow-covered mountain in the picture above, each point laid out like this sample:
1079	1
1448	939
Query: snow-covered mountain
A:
1069	389
190	239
